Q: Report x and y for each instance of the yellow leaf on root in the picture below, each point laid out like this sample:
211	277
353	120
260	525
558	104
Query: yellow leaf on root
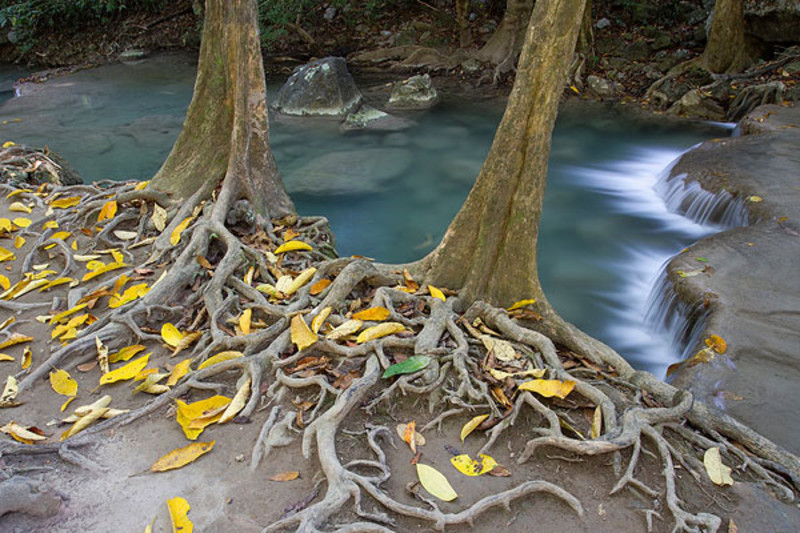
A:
65	203
175	236
375	314
245	320
549	387
522	303
319	286
180	370
219	358
381	330
126	372
125	353
293	246
108	211
189	413
345	329
238	402
171	335
320	319
301	335
470	426
436	293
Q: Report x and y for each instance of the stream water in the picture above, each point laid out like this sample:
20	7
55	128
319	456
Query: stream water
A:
604	235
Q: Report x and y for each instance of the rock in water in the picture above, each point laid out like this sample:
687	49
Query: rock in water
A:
349	172
320	88
417	92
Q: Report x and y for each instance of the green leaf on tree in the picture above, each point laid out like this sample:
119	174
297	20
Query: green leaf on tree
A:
409	366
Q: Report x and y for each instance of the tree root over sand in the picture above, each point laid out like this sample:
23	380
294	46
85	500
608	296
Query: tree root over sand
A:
635	411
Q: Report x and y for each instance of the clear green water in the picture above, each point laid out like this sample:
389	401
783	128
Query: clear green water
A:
604	233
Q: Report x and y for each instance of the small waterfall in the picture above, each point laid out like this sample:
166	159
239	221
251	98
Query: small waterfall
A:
681	322
721	210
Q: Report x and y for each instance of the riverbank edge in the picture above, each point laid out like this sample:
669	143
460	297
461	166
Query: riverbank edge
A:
742	284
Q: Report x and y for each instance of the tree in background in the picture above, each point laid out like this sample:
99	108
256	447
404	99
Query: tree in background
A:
726	49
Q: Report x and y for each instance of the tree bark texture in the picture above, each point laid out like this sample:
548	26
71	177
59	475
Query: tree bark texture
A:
585	44
226	131
726	50
507	39
462	18
489	250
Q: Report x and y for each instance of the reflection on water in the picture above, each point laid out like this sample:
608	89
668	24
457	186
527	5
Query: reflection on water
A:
390	196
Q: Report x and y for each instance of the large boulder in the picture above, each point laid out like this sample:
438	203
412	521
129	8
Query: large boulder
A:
773	21
322	88
417	92
349	172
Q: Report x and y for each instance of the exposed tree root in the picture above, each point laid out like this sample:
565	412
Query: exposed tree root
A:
311	393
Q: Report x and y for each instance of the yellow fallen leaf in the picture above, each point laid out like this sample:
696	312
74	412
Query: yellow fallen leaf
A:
66	404
19	207
345	329
181	457
5	283
159	217
8	144
175	237
381	330
102	355
171	335
6	357
597	423
178	511
436	293
189	338
62	383
270	290
434	482
320	319
14	339
27	356
22	222
293	246
502	350
285	476
65	203
141	185
319	286
180	370
301	335
21	433
501	375
108	211
473	467
71	311
19	242
6	226
755	199
9	391
102	270
55	283
549	387
718	472
404	431
128	371
132	293
125	353
61	235
717	343
84	422
521	303
238	402
189	414
125	235
470	426
219	358
301	279
245	320
375	314
6	255
51	224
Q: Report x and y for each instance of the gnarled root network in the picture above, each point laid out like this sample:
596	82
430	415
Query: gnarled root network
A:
209	277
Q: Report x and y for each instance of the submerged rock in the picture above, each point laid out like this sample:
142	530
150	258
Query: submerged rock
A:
417	92
320	88
369	118
349	172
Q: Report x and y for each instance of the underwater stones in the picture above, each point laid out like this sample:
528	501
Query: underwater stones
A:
416	92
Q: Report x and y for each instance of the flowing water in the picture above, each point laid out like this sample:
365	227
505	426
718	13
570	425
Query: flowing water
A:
605	232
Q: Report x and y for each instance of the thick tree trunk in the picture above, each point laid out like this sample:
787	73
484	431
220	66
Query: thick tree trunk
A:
462	18
489	250
506	41
726	50
226	131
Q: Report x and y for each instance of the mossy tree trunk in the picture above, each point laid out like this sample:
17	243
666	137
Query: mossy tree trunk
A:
489	250
506	41
226	131
726	50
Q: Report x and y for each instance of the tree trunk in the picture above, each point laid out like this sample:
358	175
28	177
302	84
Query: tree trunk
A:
506	41
726	50
489	250
226	131
585	45
462	18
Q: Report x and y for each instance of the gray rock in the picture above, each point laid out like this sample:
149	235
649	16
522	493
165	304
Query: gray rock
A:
416	92
602	23
349	172
662	41
369	118
330	14
471	65
773	21
600	86
321	88
695	104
